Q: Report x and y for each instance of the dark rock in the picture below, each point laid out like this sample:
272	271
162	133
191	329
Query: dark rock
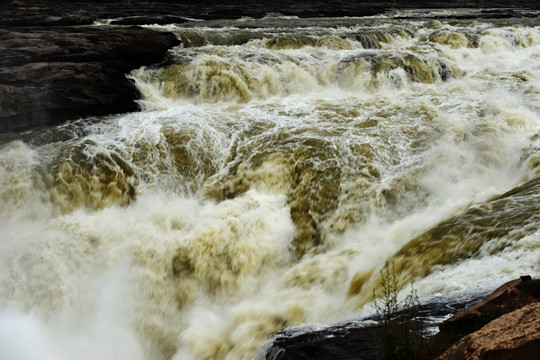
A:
138	12
344	341
356	340
32	45
48	75
359	339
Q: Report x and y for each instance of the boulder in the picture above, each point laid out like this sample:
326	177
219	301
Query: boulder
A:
52	74
509	297
513	336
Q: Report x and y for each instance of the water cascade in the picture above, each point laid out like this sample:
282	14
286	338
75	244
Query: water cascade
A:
277	164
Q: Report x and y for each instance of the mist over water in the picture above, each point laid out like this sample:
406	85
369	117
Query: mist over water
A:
276	166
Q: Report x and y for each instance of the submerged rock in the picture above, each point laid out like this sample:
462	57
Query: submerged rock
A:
48	75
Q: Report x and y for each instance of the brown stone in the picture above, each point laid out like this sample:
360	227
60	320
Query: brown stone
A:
513	336
508	297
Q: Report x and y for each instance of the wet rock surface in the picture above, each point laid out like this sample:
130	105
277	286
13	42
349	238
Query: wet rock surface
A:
344	341
360	339
52	74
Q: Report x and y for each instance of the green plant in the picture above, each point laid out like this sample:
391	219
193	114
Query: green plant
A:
401	335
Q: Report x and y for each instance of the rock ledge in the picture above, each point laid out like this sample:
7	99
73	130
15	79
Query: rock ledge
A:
52	74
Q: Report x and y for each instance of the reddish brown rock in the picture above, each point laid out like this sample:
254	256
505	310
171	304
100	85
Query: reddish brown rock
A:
513	336
509	297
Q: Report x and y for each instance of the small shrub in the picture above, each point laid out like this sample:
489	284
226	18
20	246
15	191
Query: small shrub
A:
401	334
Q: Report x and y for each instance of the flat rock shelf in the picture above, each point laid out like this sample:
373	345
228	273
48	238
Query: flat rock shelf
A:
52	74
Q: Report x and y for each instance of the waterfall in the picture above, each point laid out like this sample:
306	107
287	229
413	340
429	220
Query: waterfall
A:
277	164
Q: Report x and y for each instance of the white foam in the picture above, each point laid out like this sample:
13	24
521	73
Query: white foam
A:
174	274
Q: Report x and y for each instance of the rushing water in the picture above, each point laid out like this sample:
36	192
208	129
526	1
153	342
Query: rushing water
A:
276	166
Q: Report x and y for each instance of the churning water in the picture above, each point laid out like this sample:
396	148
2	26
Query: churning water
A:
276	166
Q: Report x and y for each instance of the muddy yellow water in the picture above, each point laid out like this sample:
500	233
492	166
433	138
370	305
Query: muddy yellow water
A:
276	166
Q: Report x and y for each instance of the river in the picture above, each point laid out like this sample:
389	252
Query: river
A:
276	166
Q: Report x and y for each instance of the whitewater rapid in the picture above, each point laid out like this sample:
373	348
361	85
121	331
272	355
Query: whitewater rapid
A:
276	166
